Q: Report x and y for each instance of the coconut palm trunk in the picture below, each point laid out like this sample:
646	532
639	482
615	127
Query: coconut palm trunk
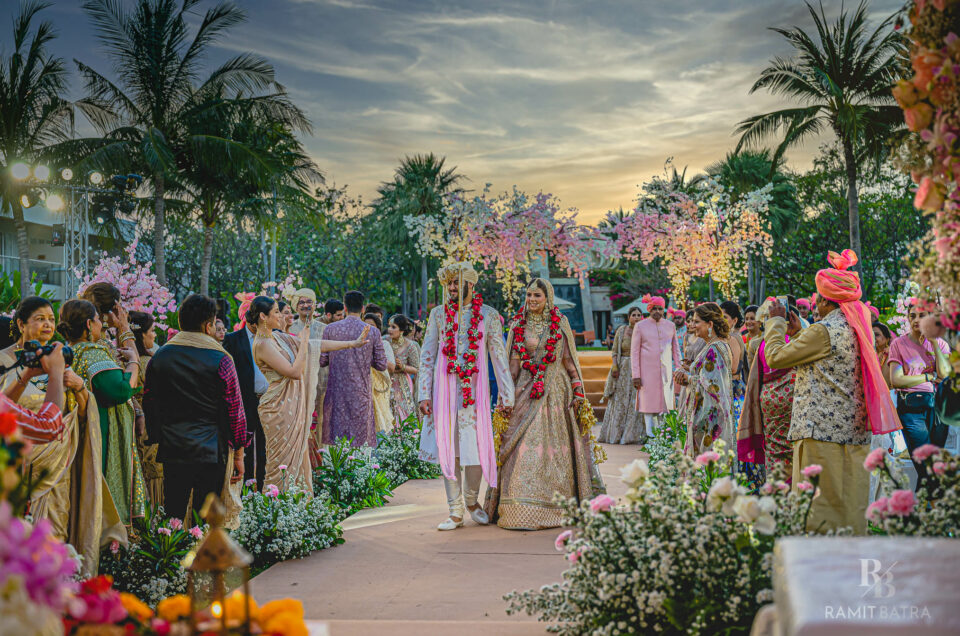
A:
853	200
159	227
207	259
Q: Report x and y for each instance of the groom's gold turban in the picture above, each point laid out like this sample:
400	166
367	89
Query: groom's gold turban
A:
455	271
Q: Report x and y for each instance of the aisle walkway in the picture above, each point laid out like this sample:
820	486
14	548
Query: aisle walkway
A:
397	574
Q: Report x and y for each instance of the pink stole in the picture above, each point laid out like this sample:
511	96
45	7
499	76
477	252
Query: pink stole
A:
448	399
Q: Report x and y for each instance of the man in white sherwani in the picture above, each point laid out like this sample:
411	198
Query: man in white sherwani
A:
454	391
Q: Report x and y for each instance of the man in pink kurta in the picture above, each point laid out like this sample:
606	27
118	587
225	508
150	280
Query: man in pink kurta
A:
654	353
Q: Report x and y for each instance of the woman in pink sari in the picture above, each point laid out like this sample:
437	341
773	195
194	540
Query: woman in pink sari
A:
762	441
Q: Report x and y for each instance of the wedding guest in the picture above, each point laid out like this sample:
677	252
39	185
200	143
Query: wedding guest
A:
753	331
113	387
654	356
707	403
288	316
762	436
194	410
734	318
377	310
305	300
622	423
679	318
882	338
348	404
65	471
221	330
406	353
332	311
141	323
380	381
840	398
253	384
917	365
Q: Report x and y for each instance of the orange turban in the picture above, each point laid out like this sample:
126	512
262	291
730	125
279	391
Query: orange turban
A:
843	287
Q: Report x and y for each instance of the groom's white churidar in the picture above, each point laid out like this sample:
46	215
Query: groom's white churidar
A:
459	437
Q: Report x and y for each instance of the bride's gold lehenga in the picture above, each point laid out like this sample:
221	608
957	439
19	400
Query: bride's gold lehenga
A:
543	451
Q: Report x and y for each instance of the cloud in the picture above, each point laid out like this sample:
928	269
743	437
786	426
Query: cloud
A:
583	99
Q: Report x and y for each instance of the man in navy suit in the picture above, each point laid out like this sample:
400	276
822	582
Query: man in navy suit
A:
253	384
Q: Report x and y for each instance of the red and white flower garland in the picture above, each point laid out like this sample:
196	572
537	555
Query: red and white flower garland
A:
537	370
468	369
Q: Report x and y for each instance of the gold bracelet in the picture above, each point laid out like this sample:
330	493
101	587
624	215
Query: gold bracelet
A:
126	335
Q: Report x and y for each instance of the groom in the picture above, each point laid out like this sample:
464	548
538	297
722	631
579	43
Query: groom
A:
454	391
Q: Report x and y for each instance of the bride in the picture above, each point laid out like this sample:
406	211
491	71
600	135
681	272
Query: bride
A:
543	451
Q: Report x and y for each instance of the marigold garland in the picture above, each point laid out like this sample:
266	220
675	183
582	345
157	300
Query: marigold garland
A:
468	369
536	369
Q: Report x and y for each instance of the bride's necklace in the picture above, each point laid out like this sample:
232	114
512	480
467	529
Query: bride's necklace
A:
538	322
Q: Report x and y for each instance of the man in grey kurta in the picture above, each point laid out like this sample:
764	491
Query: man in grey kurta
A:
470	451
348	402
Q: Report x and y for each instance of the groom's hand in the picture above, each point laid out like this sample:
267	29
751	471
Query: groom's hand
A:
426	408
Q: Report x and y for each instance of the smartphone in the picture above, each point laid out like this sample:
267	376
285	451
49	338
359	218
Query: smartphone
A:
784	300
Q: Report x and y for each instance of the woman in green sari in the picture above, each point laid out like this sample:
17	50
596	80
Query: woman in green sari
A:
112	387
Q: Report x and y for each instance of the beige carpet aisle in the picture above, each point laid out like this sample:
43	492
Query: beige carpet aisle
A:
397	574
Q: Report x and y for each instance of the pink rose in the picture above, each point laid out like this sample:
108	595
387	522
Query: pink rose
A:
250	483
924	452
114	547
874	460
601	503
271	491
196	532
562	539
877	510
918	116
928	197
804	486
375	466
282	466
902	503
939	468
164	531
176	524
574	556
705	458
812	470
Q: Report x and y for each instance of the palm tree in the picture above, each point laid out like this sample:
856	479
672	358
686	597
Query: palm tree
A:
147	111
418	188
33	114
843	83
256	163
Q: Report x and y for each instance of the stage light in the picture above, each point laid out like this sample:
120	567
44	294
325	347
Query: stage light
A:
54	203
20	171
66	174
42	173
26	202
96	178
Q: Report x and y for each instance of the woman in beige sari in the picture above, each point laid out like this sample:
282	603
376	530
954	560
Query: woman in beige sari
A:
291	366
71	492
544	450
622	423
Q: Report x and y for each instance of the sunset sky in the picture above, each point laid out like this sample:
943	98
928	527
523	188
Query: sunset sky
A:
582	99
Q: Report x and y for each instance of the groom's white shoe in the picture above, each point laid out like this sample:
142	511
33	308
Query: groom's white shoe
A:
450	524
480	516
